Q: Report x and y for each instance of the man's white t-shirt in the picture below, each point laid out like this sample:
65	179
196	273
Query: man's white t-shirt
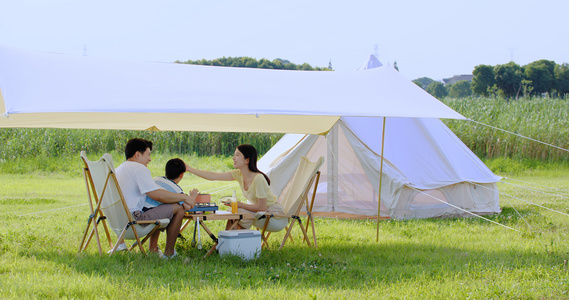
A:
135	181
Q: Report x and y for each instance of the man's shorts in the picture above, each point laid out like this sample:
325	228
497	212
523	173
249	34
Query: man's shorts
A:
163	211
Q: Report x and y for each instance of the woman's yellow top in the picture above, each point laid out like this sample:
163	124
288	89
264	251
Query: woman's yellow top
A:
259	188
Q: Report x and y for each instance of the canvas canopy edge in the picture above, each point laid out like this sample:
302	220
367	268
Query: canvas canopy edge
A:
319	125
2	105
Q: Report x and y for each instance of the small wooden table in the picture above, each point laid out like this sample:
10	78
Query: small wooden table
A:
218	215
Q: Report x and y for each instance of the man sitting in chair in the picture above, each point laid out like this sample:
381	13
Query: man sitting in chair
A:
136	183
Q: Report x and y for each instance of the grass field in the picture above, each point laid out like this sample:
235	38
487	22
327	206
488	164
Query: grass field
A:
415	259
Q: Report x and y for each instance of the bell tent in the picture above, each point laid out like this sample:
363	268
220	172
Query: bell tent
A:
427	172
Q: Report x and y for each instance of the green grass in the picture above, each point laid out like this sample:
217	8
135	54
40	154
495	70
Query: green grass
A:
415	259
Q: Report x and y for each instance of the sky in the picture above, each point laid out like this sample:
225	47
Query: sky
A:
436	39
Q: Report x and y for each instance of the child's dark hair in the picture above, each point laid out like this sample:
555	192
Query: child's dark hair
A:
174	168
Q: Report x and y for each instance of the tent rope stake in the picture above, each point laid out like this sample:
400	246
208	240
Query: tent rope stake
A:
551	209
220	189
461	209
43	211
545	187
212	191
519	214
536	190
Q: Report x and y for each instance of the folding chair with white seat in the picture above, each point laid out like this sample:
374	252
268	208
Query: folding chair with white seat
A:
107	204
305	176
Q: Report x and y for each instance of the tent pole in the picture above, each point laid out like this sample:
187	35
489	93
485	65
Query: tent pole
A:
380	180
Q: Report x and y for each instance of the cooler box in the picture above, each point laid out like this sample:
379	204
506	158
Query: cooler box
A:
244	242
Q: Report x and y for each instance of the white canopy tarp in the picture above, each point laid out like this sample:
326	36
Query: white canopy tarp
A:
61	91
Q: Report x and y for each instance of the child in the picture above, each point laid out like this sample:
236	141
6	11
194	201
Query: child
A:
175	169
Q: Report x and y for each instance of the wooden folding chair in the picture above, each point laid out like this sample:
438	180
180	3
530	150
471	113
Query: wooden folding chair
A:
108	205
305	176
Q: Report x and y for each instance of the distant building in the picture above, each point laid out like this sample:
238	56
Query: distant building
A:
457	78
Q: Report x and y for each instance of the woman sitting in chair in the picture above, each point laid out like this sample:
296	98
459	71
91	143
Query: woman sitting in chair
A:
254	185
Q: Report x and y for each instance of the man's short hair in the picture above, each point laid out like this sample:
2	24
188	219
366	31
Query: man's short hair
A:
174	168
136	145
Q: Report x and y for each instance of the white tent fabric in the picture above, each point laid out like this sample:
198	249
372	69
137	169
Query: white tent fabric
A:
428	143
420	154
423	160
62	91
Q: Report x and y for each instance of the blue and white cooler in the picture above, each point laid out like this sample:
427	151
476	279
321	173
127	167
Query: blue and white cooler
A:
245	243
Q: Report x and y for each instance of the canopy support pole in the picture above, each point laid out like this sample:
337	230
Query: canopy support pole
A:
380	180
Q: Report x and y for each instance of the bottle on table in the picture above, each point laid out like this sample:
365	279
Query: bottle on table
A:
234	203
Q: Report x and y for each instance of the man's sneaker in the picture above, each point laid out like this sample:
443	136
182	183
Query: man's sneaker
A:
121	247
164	256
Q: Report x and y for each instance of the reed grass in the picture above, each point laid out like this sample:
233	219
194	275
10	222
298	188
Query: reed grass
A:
539	118
18	143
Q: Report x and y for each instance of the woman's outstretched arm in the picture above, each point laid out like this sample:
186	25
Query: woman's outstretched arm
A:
210	175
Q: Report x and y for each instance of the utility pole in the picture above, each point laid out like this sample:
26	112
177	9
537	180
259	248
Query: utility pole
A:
512	53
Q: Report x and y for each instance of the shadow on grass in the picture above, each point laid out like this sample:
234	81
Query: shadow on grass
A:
337	266
347	257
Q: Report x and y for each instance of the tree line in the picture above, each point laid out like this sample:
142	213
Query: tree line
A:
542	77
249	62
